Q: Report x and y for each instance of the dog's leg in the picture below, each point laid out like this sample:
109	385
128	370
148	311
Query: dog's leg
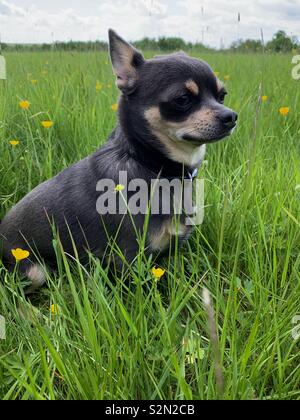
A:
36	274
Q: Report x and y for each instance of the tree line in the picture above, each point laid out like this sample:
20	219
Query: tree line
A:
280	43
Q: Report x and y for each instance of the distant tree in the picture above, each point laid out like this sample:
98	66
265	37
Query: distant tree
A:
236	44
249	45
282	43
168	44
171	44
3	47
45	47
198	46
146	44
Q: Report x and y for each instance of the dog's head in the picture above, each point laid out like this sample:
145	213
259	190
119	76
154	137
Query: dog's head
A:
175	98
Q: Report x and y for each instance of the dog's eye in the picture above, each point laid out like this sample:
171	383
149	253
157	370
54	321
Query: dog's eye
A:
222	97
183	101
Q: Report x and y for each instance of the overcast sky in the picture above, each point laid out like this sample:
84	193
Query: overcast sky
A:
39	21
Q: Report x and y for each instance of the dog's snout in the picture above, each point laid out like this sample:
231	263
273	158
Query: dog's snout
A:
228	118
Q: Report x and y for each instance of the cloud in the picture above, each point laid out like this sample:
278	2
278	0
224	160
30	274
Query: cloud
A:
219	19
208	20
7	9
153	8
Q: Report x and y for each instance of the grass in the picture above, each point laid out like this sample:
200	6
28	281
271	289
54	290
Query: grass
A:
146	339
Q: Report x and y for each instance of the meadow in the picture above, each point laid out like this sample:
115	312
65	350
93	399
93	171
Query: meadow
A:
85	337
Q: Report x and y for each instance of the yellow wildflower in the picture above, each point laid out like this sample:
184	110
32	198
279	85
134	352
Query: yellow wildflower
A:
47	124
284	111
115	107
98	86
158	272
54	309
119	188
20	254
24	104
14	143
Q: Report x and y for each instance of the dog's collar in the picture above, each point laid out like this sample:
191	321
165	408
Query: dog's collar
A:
190	175
183	173
193	175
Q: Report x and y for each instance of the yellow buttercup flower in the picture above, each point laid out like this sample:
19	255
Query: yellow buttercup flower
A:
115	107
14	143
98	86
119	188
20	254
158	272
264	98
24	104
54	309
47	124
34	81
227	77
284	111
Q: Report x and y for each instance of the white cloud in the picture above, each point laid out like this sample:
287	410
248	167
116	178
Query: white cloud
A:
8	9
211	20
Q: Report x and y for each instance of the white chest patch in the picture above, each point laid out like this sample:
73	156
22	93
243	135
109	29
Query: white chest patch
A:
186	153
160	240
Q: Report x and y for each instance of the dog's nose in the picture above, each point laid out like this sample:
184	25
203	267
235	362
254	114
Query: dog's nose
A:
228	118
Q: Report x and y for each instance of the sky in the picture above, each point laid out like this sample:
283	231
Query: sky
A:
213	21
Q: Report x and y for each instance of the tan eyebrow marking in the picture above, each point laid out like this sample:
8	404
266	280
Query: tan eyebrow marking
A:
192	87
220	85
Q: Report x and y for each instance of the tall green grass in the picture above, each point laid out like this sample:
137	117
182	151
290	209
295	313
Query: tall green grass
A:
137	337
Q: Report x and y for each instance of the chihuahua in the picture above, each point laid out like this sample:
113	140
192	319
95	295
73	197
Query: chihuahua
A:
170	108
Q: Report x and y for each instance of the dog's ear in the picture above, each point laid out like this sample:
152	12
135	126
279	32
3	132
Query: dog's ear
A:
125	61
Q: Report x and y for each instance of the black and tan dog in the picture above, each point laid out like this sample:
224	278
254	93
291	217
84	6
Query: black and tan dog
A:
170	108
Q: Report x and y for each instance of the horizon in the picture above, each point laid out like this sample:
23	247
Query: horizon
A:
37	22
132	41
